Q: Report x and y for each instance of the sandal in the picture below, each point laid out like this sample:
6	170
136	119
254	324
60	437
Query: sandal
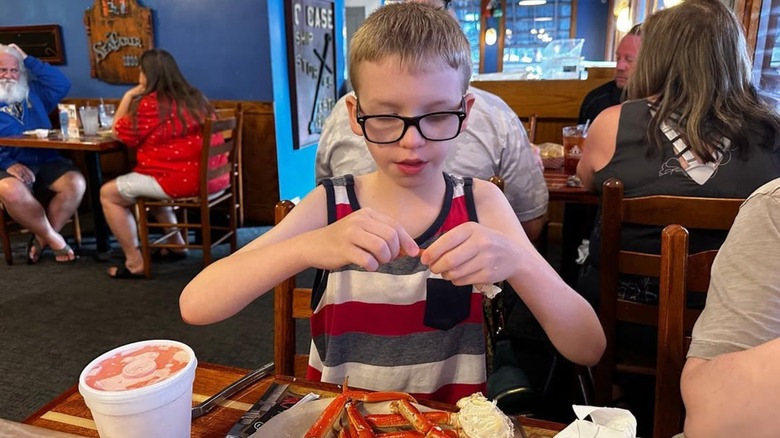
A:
122	273
33	244
167	255
65	251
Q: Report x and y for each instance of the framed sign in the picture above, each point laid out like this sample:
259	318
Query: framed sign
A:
42	41
312	66
119	31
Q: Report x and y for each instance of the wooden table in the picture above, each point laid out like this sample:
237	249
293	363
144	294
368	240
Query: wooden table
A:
68	413
92	146
559	191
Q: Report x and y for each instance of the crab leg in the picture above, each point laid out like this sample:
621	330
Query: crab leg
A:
375	397
328	417
403	434
417	419
356	421
398	420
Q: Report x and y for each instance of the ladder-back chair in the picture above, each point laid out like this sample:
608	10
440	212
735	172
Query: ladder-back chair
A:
224	201
659	211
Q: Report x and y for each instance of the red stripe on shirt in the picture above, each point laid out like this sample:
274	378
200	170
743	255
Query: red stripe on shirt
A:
381	319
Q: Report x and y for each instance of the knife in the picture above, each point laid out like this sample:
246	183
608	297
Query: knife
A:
230	390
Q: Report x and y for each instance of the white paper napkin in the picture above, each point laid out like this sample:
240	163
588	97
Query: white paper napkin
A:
607	423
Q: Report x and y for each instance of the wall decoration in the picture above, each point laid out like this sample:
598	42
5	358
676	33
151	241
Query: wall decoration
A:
312	65
41	41
119	31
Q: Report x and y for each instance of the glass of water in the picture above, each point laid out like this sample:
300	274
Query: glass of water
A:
106	111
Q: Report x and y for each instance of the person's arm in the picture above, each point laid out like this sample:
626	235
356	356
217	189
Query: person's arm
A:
495	249
302	240
733	394
49	83
147	118
599	146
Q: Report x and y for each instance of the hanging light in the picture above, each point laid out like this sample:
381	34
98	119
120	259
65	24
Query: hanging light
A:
491	36
532	2
670	3
622	12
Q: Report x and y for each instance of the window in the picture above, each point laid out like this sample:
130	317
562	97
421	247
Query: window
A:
528	29
468	12
766	63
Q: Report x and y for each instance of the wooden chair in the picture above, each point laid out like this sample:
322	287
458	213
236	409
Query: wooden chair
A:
694	213
681	273
8	227
291	303
224	201
530	127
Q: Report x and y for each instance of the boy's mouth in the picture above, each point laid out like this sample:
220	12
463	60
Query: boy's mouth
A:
411	167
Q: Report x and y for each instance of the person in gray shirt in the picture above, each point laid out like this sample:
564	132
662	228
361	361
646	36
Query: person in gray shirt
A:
731	378
494	143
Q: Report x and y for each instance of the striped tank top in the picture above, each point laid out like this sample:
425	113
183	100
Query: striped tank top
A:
401	328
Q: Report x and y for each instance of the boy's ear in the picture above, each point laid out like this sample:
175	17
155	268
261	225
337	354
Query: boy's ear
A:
469	99
351	102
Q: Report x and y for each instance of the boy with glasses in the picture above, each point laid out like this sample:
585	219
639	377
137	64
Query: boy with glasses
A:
403	255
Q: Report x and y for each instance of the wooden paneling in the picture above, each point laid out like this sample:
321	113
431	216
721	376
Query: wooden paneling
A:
556	103
258	149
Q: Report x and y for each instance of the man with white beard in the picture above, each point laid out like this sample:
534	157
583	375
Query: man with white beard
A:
29	90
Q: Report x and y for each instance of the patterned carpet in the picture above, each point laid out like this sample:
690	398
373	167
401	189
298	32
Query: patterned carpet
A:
56	318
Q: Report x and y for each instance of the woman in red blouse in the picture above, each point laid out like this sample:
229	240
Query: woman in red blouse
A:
162	118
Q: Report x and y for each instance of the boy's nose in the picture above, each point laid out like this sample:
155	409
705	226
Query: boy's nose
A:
412	138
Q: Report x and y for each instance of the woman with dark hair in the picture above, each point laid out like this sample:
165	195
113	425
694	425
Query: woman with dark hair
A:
694	125
162	118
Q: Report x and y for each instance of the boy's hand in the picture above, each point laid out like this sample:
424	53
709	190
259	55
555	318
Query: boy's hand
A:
366	238
472	254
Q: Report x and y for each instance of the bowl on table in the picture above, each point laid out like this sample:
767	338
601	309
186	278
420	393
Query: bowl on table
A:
552	155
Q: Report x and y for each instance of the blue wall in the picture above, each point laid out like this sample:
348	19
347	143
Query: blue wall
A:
223	50
223	47
592	25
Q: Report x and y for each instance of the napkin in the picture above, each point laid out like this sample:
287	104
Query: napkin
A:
607	423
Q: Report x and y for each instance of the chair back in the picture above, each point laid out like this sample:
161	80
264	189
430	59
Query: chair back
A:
681	273
659	210
530	127
291	303
211	153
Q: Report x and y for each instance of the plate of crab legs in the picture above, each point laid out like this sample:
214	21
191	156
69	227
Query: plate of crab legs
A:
364	414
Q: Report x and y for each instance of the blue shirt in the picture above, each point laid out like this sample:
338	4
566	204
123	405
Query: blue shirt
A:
47	87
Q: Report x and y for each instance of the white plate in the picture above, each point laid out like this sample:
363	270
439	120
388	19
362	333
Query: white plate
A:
40	133
296	421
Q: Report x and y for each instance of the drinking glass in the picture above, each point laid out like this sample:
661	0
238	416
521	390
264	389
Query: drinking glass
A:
106	112
89	119
573	143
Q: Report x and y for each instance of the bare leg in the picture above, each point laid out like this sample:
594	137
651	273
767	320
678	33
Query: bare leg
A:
69	190
122	223
29	213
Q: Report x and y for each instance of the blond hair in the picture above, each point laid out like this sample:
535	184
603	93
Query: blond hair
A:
695	60
420	36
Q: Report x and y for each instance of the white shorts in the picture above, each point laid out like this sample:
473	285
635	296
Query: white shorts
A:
135	185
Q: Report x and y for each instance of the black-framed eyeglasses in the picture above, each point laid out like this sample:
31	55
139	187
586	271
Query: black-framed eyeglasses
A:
390	128
447	4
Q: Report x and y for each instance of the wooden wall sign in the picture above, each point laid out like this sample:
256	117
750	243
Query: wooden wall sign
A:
42	41
119	31
311	52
